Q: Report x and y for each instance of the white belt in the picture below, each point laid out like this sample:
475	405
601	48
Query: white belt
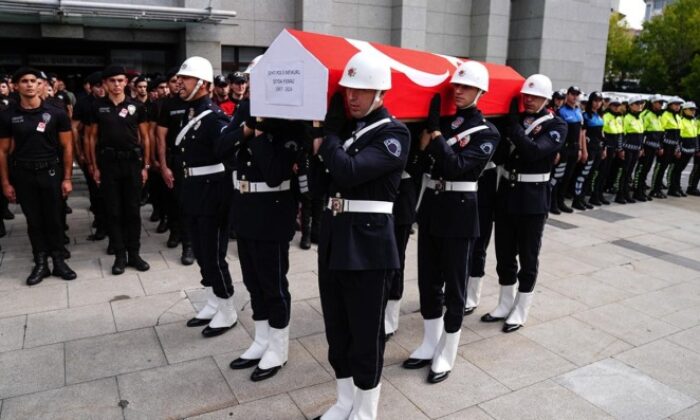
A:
244	186
458	186
205	170
528	177
342	205
405	175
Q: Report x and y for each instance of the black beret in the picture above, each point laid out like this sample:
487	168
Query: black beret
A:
113	70
23	71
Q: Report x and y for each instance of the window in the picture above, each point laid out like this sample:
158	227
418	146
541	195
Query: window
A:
238	58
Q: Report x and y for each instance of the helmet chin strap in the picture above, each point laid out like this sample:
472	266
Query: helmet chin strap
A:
476	99
199	84
544	103
377	97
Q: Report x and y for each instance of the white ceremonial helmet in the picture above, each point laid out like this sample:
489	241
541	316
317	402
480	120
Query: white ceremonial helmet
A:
364	71
537	85
198	67
472	73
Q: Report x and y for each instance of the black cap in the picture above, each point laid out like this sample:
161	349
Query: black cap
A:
94	78
595	95
140	79
557	95
220	81
573	89
172	71
23	71
153	84
113	70
237	77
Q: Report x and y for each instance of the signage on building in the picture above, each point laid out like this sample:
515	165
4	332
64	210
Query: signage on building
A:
57	60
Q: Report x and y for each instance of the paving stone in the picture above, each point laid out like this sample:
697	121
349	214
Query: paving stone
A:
272	408
304	321
32	370
672	272
548	305
590	292
624	392
315	400
631	279
543	401
86	268
693	413
466	386
171	280
666	301
181	343
575	341
303	285
109	355
90	400
680	368
32	300
12	333
68	324
176	391
514	360
149	311
300	371
626	323
88	292
471	413
686	318
689	339
562	265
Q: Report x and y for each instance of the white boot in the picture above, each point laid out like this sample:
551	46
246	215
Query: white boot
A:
444	358
209	309
277	351
226	315
365	403
432	329
518	316
391	317
506	300
473	293
343	406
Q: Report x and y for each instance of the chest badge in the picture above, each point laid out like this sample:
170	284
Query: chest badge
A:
457	122
132	109
190	114
196	125
46	117
41	127
123	113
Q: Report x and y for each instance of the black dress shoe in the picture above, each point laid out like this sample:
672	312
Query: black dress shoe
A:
60	268
119	265
137	262
412	363
649	197
66	253
674	193
564	208
162	226
40	270
554	210
196	322
488	318
7	214
604	200
305	242
640	197
682	193
578	204
508	328
262	374
68	209
110	249
656	194
693	191
243	363
173	240
589	206
594	201
154	216
3	230
187	257
630	200
469	311
620	200
388	336
436	378
209	332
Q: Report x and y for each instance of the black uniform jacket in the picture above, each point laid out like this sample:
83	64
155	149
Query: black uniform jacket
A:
370	169
454	214
532	153
203	195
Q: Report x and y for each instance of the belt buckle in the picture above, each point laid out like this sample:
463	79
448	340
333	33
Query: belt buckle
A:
440	185
186	172
513	176
337	205
244	186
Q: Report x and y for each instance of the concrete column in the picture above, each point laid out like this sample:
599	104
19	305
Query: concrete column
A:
408	23
490	22
314	15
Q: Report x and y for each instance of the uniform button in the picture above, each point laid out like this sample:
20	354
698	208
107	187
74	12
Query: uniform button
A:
242	177
184	164
437	192
368	224
327	171
247	163
183	150
337	195
357	150
512	185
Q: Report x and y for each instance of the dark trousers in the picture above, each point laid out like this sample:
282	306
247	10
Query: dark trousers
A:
601	177
97	206
156	192
171	200
643	167
402	233
518	236
39	195
443	264
694	178
584	173
678	167
353	305
121	187
661	166
264	265
210	244
627	169
488	183
570	158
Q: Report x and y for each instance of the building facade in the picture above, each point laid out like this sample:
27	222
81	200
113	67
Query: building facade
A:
565	39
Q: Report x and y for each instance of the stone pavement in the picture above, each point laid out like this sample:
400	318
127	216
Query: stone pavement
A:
614	333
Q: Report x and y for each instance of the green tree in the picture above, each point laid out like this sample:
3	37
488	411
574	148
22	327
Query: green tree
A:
622	58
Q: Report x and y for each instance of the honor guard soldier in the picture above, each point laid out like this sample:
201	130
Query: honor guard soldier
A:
687	144
35	178
631	147
671	123
357	246
170	122
206	195
448	219
119	142
264	218
653	137
522	202
613	131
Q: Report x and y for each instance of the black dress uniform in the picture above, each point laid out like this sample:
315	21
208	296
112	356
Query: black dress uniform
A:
120	161
264	213
357	246
36	174
522	204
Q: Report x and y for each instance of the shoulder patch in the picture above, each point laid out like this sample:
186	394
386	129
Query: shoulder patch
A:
393	146
487	148
555	136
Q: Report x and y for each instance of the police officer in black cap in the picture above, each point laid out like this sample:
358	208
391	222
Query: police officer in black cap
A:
570	153
119	142
357	248
206	194
522	202
448	218
170	122
36	179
